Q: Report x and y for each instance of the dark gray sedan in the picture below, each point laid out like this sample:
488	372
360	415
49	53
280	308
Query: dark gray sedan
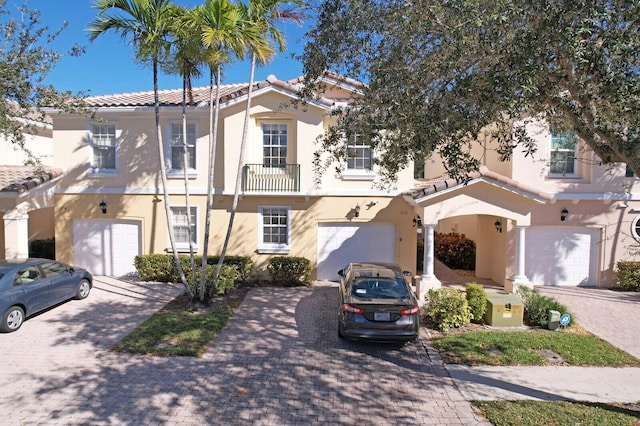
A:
377	303
33	285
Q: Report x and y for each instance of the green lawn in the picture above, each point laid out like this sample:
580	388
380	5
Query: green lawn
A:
521	348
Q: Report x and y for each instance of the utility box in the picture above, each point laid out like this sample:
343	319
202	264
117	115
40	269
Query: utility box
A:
504	310
554	320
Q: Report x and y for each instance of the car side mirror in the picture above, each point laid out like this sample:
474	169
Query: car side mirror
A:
341	272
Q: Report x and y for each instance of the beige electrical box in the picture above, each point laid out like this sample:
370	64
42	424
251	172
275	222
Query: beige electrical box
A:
504	310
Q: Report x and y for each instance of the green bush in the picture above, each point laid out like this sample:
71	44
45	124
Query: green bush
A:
420	256
161	267
477	300
289	271
628	274
225	282
455	250
45	249
446	308
537	306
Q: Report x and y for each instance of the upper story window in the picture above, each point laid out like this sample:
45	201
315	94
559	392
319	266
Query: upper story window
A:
103	145
360	155
274	144
180	227
176	158
563	154
274	229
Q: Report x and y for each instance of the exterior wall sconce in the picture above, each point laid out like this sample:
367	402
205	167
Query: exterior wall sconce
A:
563	214
498	226
103	207
417	221
357	211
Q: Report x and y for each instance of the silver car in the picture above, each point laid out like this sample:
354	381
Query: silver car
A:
377	303
33	285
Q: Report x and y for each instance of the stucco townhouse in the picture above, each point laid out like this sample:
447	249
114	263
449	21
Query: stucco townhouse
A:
558	219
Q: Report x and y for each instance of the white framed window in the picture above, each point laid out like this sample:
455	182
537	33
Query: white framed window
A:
275	139
103	141
562	161
635	228
274	229
180	227
175	158
360	158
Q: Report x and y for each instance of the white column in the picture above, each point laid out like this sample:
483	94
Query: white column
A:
520	278
427	280
16	235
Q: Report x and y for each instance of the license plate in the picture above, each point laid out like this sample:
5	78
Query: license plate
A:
381	316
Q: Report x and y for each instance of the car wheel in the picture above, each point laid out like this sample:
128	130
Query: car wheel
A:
83	290
340	335
12	319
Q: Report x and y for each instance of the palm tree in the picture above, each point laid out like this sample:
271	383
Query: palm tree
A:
148	24
186	59
225	33
263	15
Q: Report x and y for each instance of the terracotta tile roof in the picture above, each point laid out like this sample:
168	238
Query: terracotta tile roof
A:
23	178
170	97
425	188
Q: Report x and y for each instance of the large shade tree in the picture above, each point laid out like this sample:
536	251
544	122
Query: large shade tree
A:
26	58
148	25
437	73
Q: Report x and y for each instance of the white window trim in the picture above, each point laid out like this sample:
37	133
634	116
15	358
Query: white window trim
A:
179	173
271	248
573	175
93	171
359	174
184	247
634	231
260	123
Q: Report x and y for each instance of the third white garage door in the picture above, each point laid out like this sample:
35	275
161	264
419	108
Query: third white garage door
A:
339	244
561	256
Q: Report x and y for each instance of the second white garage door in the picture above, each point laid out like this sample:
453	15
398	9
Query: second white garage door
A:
339	244
106	247
561	256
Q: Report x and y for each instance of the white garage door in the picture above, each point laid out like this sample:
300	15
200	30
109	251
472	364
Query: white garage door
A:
339	244
561	256
106	247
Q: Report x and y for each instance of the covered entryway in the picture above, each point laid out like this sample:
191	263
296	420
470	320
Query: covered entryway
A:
563	256
341	243
106	247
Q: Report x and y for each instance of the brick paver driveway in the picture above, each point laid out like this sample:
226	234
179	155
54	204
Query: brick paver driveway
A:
278	361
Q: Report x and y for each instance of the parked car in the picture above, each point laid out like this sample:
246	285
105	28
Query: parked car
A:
377	303
33	285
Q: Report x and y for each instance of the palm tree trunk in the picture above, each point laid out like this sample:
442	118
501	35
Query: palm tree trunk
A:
236	195
185	167
213	138
163	175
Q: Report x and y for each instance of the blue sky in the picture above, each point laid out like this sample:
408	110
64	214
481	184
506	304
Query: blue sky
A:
108	66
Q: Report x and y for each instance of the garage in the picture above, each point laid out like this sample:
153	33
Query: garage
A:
562	256
106	247
340	243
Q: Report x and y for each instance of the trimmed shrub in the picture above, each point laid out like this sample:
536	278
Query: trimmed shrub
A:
161	267
455	250
446	308
289	271
45	248
628	274
477	300
420	256
537	307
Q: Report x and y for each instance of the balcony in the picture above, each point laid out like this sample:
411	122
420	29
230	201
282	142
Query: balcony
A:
261	178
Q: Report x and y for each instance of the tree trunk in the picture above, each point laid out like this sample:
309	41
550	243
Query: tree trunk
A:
236	194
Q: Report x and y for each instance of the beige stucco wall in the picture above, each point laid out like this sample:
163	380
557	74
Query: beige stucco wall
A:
306	214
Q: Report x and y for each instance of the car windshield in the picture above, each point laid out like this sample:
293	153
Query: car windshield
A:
380	288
